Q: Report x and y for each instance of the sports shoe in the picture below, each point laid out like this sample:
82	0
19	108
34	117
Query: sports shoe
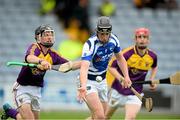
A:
4	115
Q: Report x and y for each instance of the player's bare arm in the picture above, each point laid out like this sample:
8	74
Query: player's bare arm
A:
76	65
152	76
34	59
123	65
83	79
68	66
115	73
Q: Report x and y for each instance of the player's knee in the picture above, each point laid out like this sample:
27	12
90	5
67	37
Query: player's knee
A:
107	117
100	116
19	117
130	117
26	114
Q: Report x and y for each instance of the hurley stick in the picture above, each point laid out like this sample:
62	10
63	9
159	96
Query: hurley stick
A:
61	68
173	79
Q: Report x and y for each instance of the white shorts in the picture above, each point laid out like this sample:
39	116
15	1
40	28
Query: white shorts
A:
98	87
27	94
116	99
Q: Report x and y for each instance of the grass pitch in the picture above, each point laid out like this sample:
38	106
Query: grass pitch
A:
81	115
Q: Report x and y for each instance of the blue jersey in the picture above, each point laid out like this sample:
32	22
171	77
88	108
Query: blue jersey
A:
99	54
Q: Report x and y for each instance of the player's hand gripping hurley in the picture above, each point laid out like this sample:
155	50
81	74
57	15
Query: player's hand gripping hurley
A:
61	68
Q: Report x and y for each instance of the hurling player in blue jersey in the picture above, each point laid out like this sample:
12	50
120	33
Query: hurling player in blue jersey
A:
97	51
27	89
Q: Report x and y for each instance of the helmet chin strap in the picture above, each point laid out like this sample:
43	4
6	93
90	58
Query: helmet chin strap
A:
142	47
47	45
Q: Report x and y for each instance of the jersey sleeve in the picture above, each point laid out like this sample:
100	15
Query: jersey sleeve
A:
117	48
128	52
57	58
87	51
32	50
154	57
60	60
155	62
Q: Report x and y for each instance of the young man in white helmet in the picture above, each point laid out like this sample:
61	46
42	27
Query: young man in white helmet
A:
96	54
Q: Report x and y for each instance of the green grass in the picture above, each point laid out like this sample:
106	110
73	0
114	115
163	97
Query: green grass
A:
80	115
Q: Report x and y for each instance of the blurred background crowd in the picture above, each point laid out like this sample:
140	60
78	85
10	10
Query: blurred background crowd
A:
74	21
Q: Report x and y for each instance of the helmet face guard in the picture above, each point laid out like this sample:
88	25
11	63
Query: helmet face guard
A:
44	29
47	45
104	30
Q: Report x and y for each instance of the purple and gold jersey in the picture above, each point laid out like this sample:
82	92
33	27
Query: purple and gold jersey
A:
34	76
138	67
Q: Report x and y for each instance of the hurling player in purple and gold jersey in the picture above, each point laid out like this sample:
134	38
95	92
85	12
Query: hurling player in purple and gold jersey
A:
27	89
140	60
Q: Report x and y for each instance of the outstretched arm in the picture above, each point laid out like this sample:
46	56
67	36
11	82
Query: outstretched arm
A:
76	65
68	66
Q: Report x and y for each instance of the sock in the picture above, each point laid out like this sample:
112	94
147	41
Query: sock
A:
12	113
